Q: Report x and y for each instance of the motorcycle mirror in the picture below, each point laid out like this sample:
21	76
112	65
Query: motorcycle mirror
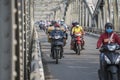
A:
118	47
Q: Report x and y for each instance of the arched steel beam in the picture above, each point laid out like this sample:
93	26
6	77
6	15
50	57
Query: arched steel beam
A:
100	4
86	4
69	1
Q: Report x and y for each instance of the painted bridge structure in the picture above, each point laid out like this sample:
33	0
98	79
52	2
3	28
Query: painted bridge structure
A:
20	57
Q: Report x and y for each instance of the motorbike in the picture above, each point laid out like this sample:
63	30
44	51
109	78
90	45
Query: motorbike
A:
78	42
57	43
109	63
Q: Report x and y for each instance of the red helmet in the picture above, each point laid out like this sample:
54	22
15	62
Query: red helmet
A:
57	25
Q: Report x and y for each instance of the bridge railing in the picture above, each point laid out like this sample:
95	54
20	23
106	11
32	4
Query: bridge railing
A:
96	32
37	72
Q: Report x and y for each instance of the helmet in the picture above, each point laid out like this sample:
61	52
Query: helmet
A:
109	27
56	24
62	22
77	23
74	23
53	22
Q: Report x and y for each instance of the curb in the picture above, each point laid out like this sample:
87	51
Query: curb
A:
37	72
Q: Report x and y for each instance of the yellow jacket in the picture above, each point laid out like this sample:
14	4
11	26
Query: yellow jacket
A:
77	30
50	28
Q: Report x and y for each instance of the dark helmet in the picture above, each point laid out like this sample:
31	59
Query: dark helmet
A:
77	23
74	23
56	25
109	25
53	22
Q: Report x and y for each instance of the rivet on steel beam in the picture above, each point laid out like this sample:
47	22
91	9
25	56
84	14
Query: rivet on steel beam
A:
14	10
15	42
21	48
14	26
14	74
14	58
20	34
20	20
20	41
19	4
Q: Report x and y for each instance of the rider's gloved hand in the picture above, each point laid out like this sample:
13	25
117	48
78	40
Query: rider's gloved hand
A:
71	35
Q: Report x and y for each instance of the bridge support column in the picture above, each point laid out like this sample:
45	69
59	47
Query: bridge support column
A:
77	12
105	12
83	14
90	20
69	15
72	11
99	20
80	13
115	9
86	17
73	6
7	40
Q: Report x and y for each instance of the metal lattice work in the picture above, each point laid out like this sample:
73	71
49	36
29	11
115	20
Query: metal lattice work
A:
16	26
17	32
46	8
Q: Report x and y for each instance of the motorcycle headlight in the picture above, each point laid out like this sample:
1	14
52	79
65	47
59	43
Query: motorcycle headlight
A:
107	60
118	60
57	37
111	48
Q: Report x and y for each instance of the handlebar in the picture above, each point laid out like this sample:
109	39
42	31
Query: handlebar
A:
109	47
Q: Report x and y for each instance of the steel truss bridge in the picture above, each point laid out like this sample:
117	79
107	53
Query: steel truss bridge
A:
18	44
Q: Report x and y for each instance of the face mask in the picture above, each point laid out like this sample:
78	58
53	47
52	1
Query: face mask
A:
109	30
77	27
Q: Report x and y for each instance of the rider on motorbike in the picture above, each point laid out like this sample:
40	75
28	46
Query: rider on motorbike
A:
108	37
64	27
105	37
58	30
73	25
50	28
77	29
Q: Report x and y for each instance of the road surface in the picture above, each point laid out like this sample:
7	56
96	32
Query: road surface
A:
72	66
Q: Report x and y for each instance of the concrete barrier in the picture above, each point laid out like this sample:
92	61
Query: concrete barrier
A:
93	34
37	71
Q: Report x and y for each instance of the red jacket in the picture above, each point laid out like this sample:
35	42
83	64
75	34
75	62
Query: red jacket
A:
103	39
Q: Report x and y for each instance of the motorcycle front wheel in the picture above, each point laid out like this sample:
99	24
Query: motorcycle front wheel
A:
78	48
112	76
56	54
